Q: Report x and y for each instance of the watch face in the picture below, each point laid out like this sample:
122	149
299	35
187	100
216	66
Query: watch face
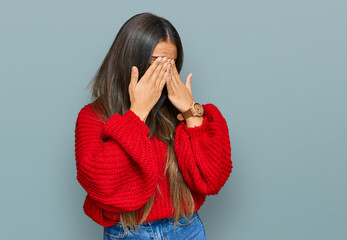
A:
198	108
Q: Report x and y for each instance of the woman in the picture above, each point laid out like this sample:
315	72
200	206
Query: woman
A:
147	154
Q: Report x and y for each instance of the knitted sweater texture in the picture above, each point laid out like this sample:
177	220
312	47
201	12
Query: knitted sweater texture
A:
119	166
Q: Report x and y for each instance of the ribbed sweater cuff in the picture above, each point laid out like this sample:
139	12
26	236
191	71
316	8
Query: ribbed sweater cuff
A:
197	131
129	122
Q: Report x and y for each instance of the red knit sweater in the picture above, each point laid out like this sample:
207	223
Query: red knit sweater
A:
119	166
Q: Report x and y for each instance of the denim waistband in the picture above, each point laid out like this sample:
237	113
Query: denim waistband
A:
167	220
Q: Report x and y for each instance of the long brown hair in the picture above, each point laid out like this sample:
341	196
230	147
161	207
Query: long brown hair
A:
134	45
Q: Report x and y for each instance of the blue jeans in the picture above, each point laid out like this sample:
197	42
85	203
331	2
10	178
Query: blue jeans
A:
191	228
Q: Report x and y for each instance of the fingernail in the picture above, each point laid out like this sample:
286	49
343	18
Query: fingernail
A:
133	69
165	64
164	59
159	59
172	61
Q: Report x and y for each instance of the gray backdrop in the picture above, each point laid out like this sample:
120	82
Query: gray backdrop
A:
276	70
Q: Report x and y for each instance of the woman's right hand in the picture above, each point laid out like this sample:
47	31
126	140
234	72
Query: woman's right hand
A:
144	94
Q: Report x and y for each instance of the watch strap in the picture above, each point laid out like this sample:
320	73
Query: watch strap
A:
186	114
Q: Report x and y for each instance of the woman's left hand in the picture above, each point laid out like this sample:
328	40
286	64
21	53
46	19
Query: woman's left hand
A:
180	95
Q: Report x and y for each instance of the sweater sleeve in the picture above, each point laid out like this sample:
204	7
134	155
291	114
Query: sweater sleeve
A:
204	152
116	161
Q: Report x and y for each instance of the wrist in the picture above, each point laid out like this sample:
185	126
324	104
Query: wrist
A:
194	121
140	113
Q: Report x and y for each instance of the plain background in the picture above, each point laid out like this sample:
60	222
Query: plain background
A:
275	69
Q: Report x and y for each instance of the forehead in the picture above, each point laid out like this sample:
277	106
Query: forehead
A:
165	49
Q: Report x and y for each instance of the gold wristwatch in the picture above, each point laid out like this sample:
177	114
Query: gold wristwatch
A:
194	110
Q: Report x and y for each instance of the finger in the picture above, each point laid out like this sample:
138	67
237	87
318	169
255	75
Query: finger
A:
163	81
172	77
134	76
175	72
152	68
161	74
169	84
188	81
157	71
